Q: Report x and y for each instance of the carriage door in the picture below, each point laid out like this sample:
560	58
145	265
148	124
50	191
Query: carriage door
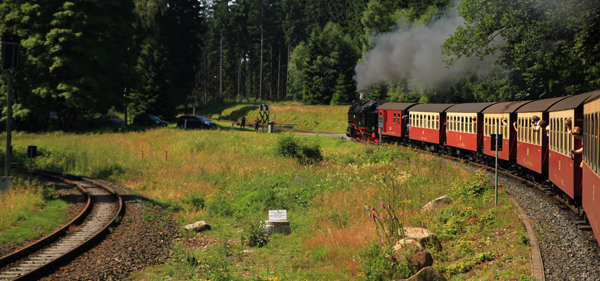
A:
382	114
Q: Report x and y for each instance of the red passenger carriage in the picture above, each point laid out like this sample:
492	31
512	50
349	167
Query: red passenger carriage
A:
590	194
563	167
394	119
532	142
504	115
426	124
464	128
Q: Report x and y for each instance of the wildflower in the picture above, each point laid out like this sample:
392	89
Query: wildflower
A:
182	181
381	205
423	224
389	206
365	237
372	208
401	214
393	217
381	242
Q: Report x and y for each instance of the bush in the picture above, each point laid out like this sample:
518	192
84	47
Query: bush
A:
380	263
288	146
255	235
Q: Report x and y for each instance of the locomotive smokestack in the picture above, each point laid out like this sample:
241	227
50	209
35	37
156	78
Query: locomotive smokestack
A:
363	95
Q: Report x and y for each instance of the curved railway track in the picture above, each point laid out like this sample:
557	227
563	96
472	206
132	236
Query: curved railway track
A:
104	209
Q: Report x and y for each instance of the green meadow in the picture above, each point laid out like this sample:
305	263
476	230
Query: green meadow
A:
232	178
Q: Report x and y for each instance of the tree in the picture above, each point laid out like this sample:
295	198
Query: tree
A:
155	95
541	42
296	67
76	57
329	54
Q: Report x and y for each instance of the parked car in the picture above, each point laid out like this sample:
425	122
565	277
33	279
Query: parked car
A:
195	122
148	120
110	118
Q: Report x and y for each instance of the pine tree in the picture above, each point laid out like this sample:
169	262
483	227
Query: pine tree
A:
155	95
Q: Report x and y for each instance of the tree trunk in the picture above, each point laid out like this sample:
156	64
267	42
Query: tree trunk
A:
279	73
221	70
271	75
261	62
287	78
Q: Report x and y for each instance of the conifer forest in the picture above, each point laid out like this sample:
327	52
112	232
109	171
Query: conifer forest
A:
83	58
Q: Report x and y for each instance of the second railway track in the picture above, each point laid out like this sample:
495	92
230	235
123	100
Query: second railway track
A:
103	209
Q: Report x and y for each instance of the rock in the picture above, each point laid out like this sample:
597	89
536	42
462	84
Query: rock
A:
418	256
408	243
427	274
437	202
423	236
198	226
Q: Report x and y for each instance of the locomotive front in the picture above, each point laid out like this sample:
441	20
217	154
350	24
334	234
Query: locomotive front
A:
362	120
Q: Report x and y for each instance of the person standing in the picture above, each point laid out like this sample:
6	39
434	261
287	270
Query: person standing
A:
256	125
243	125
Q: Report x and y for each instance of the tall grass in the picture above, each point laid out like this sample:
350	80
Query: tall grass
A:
21	199
241	176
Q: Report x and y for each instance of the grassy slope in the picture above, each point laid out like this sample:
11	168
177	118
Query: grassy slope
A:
315	118
240	178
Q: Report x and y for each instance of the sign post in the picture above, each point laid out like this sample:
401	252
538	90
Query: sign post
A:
31	153
496	145
11	57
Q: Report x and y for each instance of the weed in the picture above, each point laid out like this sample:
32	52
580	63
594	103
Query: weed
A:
388	227
255	235
524	239
48	192
380	263
196	201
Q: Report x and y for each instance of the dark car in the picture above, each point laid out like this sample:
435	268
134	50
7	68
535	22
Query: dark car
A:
149	120
195	122
110	118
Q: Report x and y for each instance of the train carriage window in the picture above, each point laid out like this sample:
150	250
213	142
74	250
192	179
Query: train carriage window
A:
570	138
594	141
470	127
585	137
519	130
394	120
552	133
485	120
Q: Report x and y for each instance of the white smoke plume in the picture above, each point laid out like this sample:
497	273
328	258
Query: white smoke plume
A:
415	54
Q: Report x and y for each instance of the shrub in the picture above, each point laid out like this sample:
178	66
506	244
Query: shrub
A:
288	146
255	235
310	154
380	263
196	201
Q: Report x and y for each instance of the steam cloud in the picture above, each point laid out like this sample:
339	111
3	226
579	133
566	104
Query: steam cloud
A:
415	54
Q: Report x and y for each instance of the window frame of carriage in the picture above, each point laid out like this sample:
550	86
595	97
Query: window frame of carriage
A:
525	130
489	121
461	122
426	120
560	141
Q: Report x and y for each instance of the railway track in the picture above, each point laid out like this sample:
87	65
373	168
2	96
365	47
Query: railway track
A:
103	210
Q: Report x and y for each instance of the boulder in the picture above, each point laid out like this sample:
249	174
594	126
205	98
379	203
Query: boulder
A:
437	202
198	226
427	274
423	236
418	256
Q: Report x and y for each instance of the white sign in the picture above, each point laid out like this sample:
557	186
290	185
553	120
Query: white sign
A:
277	214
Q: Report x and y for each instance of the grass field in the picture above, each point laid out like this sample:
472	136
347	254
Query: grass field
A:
232	178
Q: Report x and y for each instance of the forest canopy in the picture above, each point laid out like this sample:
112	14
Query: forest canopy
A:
82	59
